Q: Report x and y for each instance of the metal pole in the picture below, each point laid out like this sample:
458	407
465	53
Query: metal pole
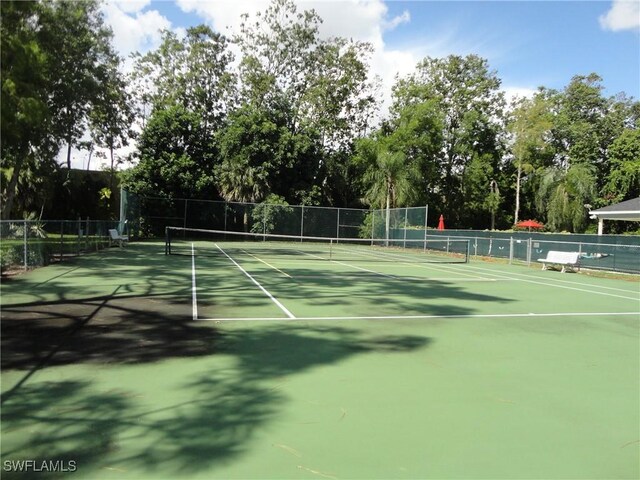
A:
301	222
373	224
25	245
510	250
426	216
406	214
184	222
338	225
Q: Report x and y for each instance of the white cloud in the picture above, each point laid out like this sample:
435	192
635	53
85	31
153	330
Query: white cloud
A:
623	15
131	6
133	29
513	93
360	20
399	20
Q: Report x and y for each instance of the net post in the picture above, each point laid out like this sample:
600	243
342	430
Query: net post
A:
167	244
184	220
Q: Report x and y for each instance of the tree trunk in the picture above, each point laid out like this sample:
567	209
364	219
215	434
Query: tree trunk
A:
10	193
89	160
69	156
111	171
387	220
517	212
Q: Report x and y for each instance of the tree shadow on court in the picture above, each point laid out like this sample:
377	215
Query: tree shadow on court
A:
215	415
210	422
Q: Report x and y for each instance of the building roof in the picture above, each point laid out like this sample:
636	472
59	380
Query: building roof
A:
627	210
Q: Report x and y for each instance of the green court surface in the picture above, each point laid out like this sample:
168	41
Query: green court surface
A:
242	364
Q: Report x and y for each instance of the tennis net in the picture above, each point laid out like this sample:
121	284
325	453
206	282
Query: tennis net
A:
190	241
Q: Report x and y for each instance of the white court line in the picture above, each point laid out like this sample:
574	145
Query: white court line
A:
352	266
425	317
194	298
264	290
266	263
556	285
437	266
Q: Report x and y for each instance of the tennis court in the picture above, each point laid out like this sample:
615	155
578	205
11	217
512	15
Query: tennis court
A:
284	359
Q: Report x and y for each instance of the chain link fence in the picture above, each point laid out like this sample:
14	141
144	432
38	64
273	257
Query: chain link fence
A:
148	216
28	244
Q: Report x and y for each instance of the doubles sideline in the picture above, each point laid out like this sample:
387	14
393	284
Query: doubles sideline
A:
421	317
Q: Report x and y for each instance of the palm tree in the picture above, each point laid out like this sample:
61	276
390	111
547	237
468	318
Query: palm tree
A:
238	181
388	179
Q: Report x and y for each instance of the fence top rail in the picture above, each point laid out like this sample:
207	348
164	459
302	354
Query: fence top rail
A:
589	243
83	220
474	233
575	242
179	199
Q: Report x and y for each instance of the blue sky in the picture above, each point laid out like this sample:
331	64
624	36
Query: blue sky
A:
528	43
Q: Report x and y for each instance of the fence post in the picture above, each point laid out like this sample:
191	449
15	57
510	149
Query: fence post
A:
184	220
373	225
86	235
26	253
62	222
404	239
338	225
510	250
529	247
301	222
426	217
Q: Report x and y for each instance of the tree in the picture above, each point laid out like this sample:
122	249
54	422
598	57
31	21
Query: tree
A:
564	194
323	83
112	116
176	157
530	126
387	178
193	72
624	180
79	50
51	54
469	106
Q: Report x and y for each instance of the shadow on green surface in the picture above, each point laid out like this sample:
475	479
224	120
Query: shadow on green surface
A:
133	308
213	423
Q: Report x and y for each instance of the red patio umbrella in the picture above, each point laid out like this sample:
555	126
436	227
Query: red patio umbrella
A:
441	223
529	224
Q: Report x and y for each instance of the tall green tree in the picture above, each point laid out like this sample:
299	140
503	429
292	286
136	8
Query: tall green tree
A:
324	84
469	106
176	157
387	177
530	124
194	72
564	194
52	53
112	116
623	182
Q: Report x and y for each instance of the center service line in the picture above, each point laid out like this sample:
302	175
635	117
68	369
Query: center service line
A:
275	300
